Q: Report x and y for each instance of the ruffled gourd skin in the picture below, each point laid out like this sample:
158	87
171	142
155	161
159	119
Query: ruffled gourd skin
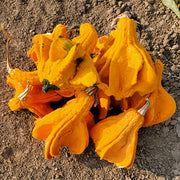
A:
103	104
36	100
88	37
128	67
103	44
34	52
116	137
162	105
66	126
66	64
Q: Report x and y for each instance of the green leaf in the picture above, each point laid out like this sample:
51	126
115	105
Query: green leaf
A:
177	1
172	5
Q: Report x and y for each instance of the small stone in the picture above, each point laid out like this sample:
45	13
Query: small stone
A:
161	178
144	22
110	11
146	4
112	2
120	3
152	1
118	11
165	131
95	2
173	67
150	29
178	130
173	122
135	165
175	47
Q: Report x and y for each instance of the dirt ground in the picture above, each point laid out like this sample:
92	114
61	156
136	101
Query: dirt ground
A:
158	150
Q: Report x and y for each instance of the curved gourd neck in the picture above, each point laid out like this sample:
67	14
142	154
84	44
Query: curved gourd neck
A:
126	31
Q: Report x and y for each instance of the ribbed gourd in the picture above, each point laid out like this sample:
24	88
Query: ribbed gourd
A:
128	68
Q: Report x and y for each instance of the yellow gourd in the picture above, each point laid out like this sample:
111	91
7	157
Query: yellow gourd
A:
128	67
87	38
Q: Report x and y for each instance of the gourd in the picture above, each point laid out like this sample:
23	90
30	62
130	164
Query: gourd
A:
128	67
64	64
162	105
121	73
115	137
40	40
66	126
87	38
103	44
29	94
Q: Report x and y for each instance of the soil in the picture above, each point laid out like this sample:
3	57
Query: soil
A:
158	149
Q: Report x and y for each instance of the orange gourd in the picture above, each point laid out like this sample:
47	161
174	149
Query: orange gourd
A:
63	64
162	105
29	94
128	67
116	137
66	126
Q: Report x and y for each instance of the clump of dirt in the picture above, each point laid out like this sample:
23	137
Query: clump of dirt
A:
158	150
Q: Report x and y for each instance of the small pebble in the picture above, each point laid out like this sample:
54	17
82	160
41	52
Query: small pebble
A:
150	29
165	131
144	22
173	122
118	11
173	67
120	3
175	47
178	130
112	2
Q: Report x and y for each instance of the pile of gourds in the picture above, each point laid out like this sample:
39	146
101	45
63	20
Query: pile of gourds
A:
106	72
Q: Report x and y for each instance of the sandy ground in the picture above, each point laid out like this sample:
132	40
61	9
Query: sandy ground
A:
158	150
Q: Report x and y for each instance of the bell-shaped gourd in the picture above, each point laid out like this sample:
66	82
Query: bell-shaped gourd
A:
87	38
116	137
75	71
66	126
162	105
43	41
29	94
128	67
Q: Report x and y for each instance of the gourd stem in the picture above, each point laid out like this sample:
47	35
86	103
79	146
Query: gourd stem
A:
154	59
117	19
23	95
47	86
70	31
73	27
93	90
9	67
143	110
